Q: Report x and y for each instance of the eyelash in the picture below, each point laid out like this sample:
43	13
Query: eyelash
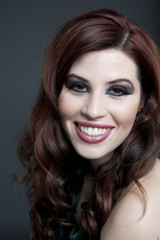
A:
115	90
72	85
119	91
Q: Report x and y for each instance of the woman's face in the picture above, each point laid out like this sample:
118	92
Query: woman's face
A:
99	102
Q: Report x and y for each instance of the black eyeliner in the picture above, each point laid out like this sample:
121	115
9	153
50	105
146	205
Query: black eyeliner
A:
70	84
125	90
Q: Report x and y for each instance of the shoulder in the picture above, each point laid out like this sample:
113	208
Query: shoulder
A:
127	220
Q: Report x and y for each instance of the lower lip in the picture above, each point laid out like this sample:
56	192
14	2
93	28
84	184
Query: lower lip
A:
92	139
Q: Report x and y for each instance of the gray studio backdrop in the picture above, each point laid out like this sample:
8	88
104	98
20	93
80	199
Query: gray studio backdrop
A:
26	27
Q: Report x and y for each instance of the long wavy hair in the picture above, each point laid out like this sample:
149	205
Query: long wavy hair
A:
54	171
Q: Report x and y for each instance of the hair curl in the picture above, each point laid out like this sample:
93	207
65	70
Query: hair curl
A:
55	172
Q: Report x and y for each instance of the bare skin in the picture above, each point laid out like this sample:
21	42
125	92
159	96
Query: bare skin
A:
127	220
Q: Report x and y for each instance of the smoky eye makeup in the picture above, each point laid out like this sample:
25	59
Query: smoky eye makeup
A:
119	90
77	86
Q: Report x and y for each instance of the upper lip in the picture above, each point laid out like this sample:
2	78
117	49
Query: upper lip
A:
93	125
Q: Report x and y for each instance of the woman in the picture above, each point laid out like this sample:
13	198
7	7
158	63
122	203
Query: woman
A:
92	146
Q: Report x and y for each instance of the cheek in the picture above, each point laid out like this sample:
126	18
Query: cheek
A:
66	107
125	114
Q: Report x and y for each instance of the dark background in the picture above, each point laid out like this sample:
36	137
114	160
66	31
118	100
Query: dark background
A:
26	27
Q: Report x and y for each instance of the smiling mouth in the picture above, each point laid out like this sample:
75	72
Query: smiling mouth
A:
90	131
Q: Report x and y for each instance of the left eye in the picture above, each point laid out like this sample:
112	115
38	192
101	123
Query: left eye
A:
77	86
118	91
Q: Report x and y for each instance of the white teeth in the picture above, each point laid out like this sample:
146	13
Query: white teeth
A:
100	132
103	131
93	131
90	131
85	130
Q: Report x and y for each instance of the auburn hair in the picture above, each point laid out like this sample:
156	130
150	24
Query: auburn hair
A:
55	172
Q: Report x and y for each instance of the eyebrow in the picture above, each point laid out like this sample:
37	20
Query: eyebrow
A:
110	82
122	80
78	77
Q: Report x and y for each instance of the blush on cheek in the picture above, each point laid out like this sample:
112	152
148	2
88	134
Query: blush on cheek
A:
66	111
130	120
69	106
127	112
63	106
126	116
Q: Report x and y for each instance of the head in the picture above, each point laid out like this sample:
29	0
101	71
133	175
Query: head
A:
96	31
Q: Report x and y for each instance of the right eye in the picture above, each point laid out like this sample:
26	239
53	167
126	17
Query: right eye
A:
77	86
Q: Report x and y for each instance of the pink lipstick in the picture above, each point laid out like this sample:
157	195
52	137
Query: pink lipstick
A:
92	133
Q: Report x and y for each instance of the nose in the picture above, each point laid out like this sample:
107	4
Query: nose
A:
94	107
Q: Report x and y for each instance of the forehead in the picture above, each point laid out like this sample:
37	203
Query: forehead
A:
109	63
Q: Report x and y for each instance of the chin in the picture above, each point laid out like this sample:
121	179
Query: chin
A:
97	157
